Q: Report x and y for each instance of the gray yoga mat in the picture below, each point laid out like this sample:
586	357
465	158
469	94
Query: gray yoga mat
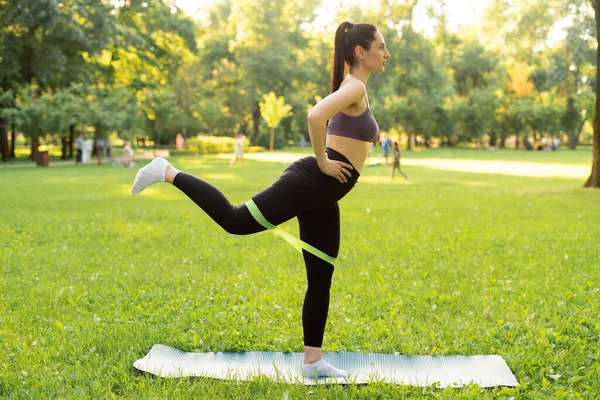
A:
486	371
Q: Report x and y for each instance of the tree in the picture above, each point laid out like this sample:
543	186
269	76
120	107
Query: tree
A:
6	102
268	48
571	67
66	109
570	121
105	111
273	110
48	42
471	67
31	113
594	179
160	107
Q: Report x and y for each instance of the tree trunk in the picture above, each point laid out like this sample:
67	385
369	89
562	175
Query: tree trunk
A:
409	142
256	125
572	141
502	140
517	142
4	141
493	139
13	139
63	141
272	140
578	134
594	179
243	128
98	153
71	139
35	142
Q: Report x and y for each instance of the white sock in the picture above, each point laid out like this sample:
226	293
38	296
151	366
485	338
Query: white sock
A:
151	173
321	369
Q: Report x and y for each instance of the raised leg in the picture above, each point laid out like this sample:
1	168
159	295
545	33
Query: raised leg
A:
236	220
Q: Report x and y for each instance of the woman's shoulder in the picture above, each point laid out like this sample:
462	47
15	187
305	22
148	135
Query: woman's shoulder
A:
358	87
354	82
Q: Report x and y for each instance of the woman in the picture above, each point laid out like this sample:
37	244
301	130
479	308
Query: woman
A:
340	127
238	149
396	164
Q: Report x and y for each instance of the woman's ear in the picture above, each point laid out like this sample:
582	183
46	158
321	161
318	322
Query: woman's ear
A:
359	52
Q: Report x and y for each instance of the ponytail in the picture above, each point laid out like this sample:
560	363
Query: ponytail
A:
347	37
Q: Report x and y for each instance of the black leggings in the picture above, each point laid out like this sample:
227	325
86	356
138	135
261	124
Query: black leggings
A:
302	191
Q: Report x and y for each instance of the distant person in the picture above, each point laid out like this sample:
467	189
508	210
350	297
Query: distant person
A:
555	144
303	141
386	145
127	154
100	148
80	141
396	164
108	150
238	150
179	141
87	150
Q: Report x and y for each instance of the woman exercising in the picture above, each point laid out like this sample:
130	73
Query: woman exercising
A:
340	128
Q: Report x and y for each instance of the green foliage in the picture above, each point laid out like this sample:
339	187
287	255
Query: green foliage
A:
104	109
173	74
215	145
471	67
66	107
273	109
31	111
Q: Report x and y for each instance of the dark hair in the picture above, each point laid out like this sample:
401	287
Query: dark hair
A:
347	37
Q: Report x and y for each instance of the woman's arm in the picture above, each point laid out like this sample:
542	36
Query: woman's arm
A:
318	116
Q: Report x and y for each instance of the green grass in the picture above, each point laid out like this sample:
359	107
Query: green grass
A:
448	263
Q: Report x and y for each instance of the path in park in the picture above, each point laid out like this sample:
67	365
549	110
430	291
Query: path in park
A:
515	168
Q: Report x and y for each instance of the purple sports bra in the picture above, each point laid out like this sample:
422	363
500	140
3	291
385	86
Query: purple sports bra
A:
360	127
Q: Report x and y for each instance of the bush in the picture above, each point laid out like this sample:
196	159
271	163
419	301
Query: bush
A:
203	144
264	140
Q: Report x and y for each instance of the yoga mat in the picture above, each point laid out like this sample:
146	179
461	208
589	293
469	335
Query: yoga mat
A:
486	371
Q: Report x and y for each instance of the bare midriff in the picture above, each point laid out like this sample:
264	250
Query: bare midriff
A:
354	150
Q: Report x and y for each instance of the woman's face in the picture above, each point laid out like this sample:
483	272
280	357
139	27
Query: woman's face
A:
374	59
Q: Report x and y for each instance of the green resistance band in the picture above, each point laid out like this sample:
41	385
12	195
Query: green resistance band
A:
294	241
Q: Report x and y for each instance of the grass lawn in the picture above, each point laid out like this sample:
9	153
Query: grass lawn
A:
446	263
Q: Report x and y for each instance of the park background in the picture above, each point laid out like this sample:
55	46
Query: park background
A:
488	249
